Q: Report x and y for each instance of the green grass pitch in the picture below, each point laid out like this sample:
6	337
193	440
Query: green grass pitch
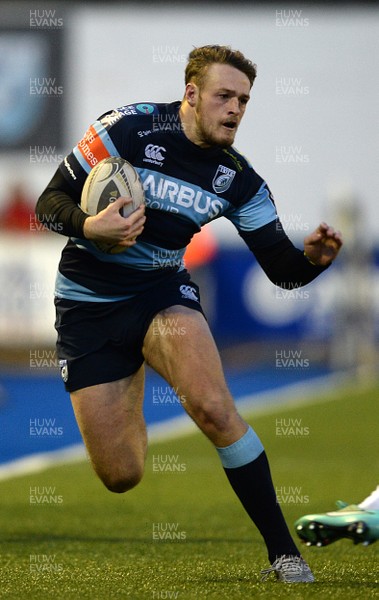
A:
182	533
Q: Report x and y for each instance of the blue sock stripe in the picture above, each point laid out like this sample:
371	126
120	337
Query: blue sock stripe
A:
243	451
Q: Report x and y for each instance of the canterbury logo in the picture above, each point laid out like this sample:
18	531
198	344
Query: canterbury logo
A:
64	370
188	292
154	153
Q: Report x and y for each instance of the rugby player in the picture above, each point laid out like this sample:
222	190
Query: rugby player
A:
114	311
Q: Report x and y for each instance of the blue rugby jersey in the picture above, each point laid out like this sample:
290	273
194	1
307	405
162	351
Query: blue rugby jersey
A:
185	186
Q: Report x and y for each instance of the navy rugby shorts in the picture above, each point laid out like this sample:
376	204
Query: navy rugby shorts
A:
99	342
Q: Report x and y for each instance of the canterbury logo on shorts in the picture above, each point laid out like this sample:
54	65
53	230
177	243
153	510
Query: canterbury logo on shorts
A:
188	292
64	370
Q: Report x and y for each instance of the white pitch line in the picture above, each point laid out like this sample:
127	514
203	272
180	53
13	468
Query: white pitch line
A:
35	463
288	396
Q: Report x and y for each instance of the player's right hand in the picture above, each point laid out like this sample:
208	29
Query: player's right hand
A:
109	226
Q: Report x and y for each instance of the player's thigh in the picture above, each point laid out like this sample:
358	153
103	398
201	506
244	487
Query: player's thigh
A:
112	425
181	348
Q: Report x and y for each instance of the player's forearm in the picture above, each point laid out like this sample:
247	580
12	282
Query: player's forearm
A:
58	210
284	264
287	267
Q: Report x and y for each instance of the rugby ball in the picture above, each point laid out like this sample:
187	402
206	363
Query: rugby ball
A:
108	180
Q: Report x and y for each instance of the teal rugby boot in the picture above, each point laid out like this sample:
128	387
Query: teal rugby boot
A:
351	522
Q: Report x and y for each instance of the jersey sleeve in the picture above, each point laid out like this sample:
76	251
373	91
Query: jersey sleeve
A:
255	213
109	135
59	202
58	208
284	264
259	226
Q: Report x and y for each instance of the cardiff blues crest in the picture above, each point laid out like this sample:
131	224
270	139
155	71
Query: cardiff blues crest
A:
222	179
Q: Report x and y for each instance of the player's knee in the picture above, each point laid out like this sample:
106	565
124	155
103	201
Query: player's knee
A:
214	418
120	486
120	483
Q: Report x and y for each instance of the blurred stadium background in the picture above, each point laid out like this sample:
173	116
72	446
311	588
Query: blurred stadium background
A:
310	131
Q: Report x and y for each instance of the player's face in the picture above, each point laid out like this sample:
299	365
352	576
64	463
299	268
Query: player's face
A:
220	105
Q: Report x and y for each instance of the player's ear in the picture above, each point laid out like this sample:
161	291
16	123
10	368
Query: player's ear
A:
191	93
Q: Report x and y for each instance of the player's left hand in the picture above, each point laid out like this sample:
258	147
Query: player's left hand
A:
322	246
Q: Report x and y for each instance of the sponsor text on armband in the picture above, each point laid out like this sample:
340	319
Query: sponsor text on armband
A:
92	148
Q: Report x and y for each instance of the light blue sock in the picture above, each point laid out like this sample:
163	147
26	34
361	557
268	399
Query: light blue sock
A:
241	452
